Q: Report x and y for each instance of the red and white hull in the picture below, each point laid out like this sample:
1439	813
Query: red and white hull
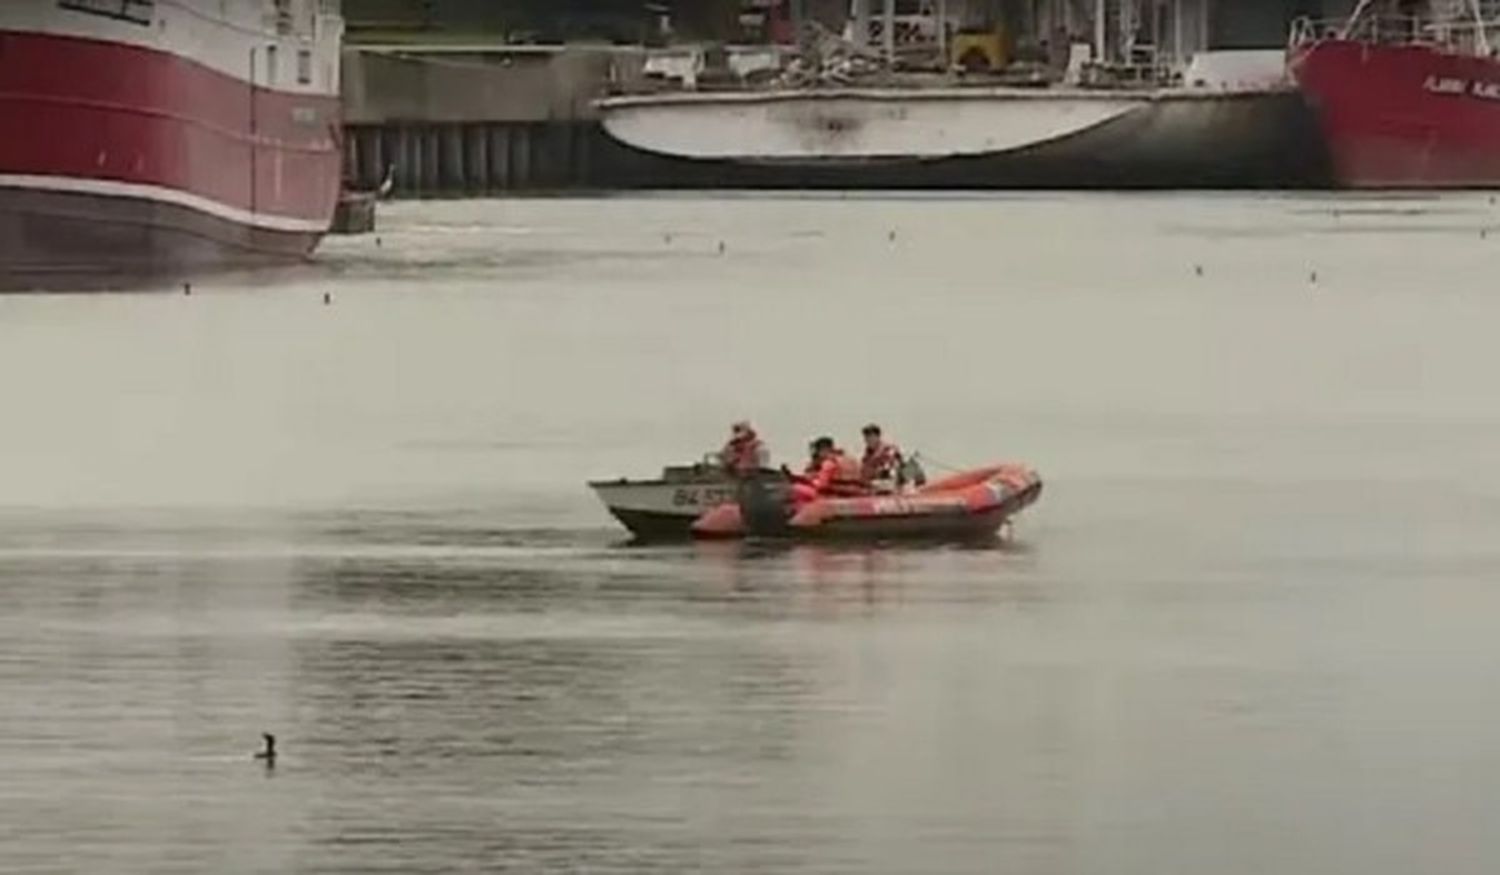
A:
148	140
1403	116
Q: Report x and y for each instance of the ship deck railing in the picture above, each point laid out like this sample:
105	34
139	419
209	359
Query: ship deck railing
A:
1468	34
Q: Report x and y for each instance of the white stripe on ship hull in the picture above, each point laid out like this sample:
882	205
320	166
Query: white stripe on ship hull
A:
162	194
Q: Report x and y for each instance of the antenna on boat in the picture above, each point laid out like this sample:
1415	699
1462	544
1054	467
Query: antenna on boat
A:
1101	30
942	33
861	24
888	32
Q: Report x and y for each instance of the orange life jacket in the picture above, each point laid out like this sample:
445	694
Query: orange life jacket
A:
840	476
744	455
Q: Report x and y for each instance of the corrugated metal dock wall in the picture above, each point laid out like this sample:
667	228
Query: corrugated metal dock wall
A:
457	159
457	122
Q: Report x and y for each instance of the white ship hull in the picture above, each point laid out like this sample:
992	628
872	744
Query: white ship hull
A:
969	138
662	509
858	125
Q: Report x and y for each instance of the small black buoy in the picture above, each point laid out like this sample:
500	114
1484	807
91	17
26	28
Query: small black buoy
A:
1484	233
187	288
721	247
1313	277
1198	269
327	299
377	242
667	239
267	754
891	236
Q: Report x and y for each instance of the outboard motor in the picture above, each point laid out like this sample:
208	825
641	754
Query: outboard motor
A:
764	505
912	473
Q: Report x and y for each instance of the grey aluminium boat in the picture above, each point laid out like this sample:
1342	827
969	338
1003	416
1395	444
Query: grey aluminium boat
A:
664	508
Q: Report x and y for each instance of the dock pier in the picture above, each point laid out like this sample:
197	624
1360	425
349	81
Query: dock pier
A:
472	121
454	159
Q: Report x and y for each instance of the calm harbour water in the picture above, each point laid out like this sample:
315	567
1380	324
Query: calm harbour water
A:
1250	627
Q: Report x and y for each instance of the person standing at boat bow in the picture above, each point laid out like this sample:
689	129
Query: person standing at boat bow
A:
881	466
745	453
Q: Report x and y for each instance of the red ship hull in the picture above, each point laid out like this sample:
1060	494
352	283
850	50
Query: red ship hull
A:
62	241
124	162
1404	116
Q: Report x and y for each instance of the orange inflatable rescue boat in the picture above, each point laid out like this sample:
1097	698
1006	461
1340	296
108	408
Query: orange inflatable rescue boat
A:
968	505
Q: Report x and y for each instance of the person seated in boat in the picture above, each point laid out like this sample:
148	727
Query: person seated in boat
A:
882	466
831	473
814	461
745	453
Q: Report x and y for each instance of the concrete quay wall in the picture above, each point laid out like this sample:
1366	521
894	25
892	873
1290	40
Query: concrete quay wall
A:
452	121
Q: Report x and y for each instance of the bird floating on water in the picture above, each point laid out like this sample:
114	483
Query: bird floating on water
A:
267	754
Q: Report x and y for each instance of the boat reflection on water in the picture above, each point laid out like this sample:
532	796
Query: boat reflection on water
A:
828	569
833	575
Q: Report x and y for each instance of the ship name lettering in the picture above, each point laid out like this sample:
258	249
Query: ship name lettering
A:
701	497
1446	85
892	506
1487	90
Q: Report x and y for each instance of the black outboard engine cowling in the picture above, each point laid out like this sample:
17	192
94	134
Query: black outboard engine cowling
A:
765	505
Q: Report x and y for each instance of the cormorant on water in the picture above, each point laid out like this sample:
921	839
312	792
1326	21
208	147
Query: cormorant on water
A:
268	753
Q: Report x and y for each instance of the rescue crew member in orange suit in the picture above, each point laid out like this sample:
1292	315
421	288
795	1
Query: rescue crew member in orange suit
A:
882	460
745	453
830	473
814	460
